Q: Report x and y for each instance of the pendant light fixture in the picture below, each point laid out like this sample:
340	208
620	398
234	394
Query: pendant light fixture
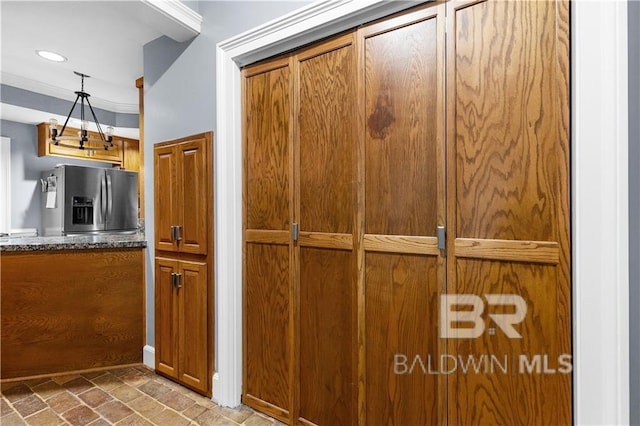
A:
82	140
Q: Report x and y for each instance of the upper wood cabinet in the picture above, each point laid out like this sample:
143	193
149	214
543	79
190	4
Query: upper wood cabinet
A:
113	155
182	204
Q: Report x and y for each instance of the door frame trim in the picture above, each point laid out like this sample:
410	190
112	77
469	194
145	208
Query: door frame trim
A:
600	195
599	200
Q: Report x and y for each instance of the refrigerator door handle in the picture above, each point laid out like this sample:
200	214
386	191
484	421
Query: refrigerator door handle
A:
109	197
103	199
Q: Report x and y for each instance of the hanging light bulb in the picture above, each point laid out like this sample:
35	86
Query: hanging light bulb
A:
53	128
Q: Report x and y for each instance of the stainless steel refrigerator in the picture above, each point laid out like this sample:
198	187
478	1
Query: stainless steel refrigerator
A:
89	200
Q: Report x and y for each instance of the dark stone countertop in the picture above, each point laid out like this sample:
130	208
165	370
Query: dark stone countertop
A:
79	242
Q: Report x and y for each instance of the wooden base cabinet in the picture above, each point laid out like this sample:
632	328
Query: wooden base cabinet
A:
184	295
181	321
419	157
65	311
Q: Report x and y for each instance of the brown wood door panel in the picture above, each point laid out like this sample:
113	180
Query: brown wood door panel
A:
268	209
404	134
503	390
267	157
506	96
192	193
165	186
327	135
268	328
166	315
401	299
404	175
328	391
508	208
193	339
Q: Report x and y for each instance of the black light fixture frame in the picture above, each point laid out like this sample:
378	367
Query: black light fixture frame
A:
83	96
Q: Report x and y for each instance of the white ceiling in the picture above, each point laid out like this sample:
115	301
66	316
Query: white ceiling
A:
103	39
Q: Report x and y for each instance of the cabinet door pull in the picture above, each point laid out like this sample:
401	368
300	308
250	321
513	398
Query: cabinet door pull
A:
442	237
176	280
178	232
173	233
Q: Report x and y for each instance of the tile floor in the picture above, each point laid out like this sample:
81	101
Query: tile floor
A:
125	396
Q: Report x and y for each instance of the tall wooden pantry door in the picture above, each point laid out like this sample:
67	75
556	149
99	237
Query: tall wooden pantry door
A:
268	246
325	151
508	216
404	192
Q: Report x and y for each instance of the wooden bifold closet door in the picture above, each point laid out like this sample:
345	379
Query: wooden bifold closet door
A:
404	171
420	157
509	205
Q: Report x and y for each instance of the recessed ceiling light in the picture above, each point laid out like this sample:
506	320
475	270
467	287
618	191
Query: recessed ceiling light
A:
52	56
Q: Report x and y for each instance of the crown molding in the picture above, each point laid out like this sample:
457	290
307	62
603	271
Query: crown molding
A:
62	93
312	22
187	23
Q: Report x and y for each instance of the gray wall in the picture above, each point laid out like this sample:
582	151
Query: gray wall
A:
634	208
26	168
27	99
180	92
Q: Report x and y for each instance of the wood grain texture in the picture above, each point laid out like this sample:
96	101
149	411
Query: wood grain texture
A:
183	170
165	196
327	389
192	340
401	244
402	130
403	101
267	136
509	215
505	121
401	318
267	236
132	160
194	180
267	351
184	197
517	396
113	155
71	310
167	326
327	139
326	240
515	251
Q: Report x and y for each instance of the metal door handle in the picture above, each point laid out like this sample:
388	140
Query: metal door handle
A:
176	233
109	197
103	199
442	238
176	280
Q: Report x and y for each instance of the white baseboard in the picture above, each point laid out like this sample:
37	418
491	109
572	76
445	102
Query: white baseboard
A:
216	388
149	356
